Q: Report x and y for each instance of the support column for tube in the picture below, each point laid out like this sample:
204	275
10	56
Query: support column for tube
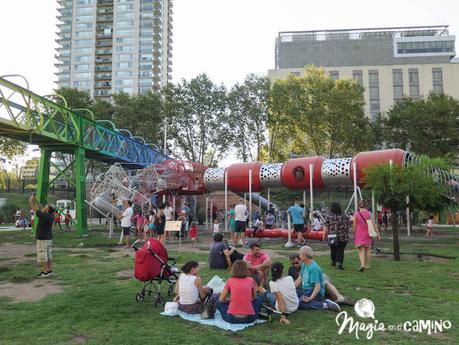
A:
250	198
226	201
373	206
80	190
354	168
289	243
207	212
311	191
211	212
408	216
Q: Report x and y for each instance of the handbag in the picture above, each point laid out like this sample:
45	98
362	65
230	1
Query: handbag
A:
208	308
371	229
332	240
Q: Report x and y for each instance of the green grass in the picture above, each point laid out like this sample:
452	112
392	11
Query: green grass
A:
98	307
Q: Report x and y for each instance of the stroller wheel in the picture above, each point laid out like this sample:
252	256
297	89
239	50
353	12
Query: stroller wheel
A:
270	318
160	301
139	297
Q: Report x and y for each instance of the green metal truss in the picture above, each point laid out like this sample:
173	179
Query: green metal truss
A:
39	120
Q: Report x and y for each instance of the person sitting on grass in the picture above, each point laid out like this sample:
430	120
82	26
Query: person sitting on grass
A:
311	279
244	304
189	289
220	253
283	296
330	290
258	263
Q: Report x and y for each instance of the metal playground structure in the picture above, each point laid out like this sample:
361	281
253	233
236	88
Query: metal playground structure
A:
139	171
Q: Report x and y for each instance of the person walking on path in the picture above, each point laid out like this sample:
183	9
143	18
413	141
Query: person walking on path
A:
362	239
240	216
126	224
298	222
336	229
44	235
232	224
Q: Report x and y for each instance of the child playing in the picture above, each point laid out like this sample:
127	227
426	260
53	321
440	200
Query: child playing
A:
429	226
151	226
67	220
193	234
216	228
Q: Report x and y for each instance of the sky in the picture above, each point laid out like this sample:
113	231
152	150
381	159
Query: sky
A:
227	39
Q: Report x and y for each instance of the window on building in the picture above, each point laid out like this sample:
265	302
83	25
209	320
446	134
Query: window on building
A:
83	51
425	47
122	57
83	42
82	67
83	26
124	48
146	74
124	74
124	89
125	7
124	32
358	77
373	87
84	10
82	75
84	18
146	57
83	34
81	83
124	65
413	75
124	23
397	82
437	79
334	75
84	2
124	39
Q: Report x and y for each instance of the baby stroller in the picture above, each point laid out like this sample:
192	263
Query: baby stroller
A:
152	265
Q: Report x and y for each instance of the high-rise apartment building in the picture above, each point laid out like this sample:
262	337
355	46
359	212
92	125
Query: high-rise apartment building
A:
388	62
111	46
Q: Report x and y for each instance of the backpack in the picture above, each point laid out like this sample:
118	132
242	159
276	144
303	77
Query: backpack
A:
208	308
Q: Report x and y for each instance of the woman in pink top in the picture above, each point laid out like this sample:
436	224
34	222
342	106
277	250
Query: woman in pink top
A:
244	305
362	239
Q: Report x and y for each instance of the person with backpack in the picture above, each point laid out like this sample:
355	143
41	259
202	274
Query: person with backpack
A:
336	230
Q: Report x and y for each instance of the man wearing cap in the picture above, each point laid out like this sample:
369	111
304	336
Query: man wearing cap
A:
44	235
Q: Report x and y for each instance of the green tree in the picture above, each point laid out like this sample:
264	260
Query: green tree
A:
75	99
317	114
11	147
248	106
426	126
198	119
392	184
140	114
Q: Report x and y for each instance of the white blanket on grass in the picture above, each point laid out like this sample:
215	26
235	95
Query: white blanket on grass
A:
217	321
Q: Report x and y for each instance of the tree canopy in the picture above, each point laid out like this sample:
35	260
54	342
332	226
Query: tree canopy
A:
317	114
392	184
426	126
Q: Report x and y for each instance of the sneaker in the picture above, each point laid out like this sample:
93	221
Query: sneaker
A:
361	269
346	301
340	267
333	263
49	273
41	274
332	306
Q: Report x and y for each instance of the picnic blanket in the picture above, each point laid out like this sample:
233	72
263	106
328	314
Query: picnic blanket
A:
217	321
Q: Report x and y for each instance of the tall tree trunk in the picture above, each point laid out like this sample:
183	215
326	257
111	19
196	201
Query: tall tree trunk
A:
396	241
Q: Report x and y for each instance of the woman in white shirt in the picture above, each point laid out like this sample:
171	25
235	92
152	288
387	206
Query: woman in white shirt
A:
189	289
283	296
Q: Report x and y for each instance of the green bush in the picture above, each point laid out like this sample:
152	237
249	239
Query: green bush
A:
7	213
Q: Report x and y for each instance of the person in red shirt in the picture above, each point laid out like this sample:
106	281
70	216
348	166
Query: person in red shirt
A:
258	263
193	234
244	304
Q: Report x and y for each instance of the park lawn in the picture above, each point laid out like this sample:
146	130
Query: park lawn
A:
97	306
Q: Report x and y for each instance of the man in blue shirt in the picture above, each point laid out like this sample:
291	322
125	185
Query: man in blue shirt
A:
296	212
311	280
